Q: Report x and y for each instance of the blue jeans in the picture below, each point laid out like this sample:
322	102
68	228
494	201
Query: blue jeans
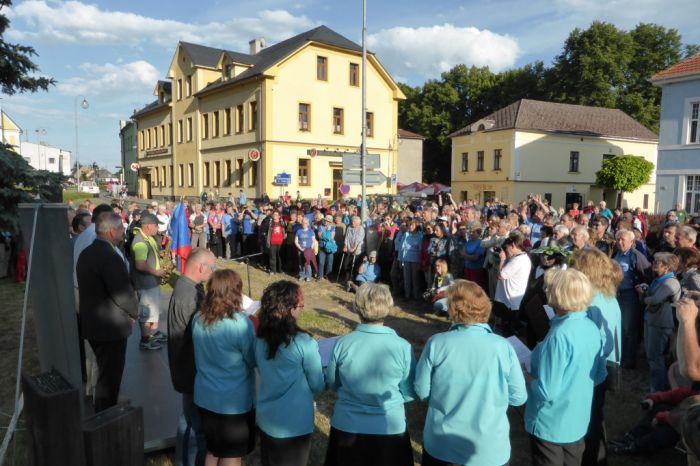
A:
631	326
305	272
325	263
190	446
656	342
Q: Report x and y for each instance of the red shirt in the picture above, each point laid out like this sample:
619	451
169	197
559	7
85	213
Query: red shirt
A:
277	235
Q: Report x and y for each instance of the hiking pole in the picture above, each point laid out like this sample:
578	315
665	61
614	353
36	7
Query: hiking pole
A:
247	269
340	268
352	267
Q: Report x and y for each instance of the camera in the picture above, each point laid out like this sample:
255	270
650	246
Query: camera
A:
427	295
497	249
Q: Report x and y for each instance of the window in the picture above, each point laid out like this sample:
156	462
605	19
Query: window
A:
155	137
694	136
480	161
179	89
215	125
189	129
497	159
148	139
205	126
465	161
573	161
179	131
239	173
227	173
188	85
162	135
162	178
253	174
52	160
370	124
142	140
228	71
337	120
253	112
354	74
227	122
239	119
190	174
548	198
206	173
170	169
322	68
217	174
645	204
304	110
692	193
170	134
304	172
464	195
181	175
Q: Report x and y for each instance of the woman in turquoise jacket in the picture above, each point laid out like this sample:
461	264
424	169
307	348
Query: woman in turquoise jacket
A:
564	367
469	376
409	256
372	370
290	371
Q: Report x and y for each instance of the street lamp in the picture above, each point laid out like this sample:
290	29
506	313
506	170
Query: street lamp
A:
84	104
40	132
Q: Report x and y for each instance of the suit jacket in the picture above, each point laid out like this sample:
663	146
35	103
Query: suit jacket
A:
108	301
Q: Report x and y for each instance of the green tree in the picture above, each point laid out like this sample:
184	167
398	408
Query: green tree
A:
624	173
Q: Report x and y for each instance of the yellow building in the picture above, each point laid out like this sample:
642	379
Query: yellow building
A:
550	149
11	132
228	121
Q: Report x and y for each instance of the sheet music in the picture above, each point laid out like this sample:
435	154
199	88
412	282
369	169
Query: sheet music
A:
325	348
523	352
249	306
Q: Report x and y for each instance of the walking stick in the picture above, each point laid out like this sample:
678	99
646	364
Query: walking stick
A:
352	267
340	268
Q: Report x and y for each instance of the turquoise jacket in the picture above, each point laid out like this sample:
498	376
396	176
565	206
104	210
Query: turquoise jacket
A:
605	313
288	382
372	370
469	376
223	355
565	366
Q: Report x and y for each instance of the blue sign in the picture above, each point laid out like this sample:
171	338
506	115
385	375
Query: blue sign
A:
393	178
283	179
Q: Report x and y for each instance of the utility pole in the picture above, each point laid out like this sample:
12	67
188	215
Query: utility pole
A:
363	154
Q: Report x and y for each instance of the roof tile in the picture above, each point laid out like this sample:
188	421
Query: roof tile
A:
687	67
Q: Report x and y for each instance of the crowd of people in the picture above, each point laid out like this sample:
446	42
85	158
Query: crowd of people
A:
585	289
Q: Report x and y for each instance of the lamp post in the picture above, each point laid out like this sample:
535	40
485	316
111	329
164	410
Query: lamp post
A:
84	104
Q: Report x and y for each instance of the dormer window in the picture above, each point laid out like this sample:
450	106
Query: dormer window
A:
228	71
481	127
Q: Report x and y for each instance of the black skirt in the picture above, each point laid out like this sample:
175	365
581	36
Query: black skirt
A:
347	449
291	451
228	435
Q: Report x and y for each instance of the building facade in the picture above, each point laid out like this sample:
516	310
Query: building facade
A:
226	122
678	172
11	132
128	139
410	167
550	149
44	157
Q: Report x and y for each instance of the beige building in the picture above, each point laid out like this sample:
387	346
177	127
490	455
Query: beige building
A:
410	157
226	121
550	149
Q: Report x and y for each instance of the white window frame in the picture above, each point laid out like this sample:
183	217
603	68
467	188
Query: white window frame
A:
687	114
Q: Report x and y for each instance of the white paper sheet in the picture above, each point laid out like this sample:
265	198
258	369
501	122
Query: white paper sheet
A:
523	352
249	306
325	348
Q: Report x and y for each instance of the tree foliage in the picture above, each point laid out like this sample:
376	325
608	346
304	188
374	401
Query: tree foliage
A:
624	173
600	66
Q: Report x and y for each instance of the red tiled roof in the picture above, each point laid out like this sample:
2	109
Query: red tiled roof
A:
689	66
409	135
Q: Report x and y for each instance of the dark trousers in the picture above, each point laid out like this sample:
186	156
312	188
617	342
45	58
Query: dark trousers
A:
249	244
275	263
216	243
348	449
190	446
506	321
631	326
429	460
556	454
232	242
292	451
110	357
596	452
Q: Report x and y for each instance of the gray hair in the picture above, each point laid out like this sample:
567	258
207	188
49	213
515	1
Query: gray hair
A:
689	232
582	230
373	302
107	221
625	233
562	228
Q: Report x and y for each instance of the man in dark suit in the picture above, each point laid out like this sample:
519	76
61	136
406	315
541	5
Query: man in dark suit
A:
108	305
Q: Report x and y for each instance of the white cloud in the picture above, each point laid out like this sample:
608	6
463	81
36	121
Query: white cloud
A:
77	22
428	51
111	80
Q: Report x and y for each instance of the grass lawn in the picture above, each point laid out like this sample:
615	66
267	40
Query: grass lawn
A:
76	196
328	312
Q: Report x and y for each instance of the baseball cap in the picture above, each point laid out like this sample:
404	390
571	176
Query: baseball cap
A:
150	219
373	254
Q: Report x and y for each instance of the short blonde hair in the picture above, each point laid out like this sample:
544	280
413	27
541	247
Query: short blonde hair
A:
568	290
467	303
667	259
604	273
373	302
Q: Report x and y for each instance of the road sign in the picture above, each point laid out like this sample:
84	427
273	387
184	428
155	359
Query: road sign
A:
393	178
134	167
373	178
344	189
254	155
353	161
283	179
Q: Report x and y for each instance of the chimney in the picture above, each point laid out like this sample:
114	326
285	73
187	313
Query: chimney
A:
256	45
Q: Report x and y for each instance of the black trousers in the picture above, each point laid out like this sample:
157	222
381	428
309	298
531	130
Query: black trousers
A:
429	460
596	452
110	356
348	449
275	263
556	454
292	451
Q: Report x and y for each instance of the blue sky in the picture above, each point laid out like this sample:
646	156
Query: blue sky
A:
112	52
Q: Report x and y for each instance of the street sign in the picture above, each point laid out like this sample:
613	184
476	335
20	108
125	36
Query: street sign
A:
283	179
393	178
353	161
344	189
254	155
372	178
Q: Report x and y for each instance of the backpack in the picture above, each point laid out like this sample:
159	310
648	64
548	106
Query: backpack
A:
327	242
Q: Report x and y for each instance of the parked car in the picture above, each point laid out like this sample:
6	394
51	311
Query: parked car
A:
89	187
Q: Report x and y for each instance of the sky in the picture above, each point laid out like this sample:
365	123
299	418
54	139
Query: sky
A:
111	53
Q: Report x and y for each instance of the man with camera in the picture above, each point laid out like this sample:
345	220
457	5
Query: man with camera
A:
369	271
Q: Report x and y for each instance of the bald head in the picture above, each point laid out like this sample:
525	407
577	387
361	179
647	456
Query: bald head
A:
199	265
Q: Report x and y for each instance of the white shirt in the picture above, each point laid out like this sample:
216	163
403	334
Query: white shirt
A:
85	239
512	282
